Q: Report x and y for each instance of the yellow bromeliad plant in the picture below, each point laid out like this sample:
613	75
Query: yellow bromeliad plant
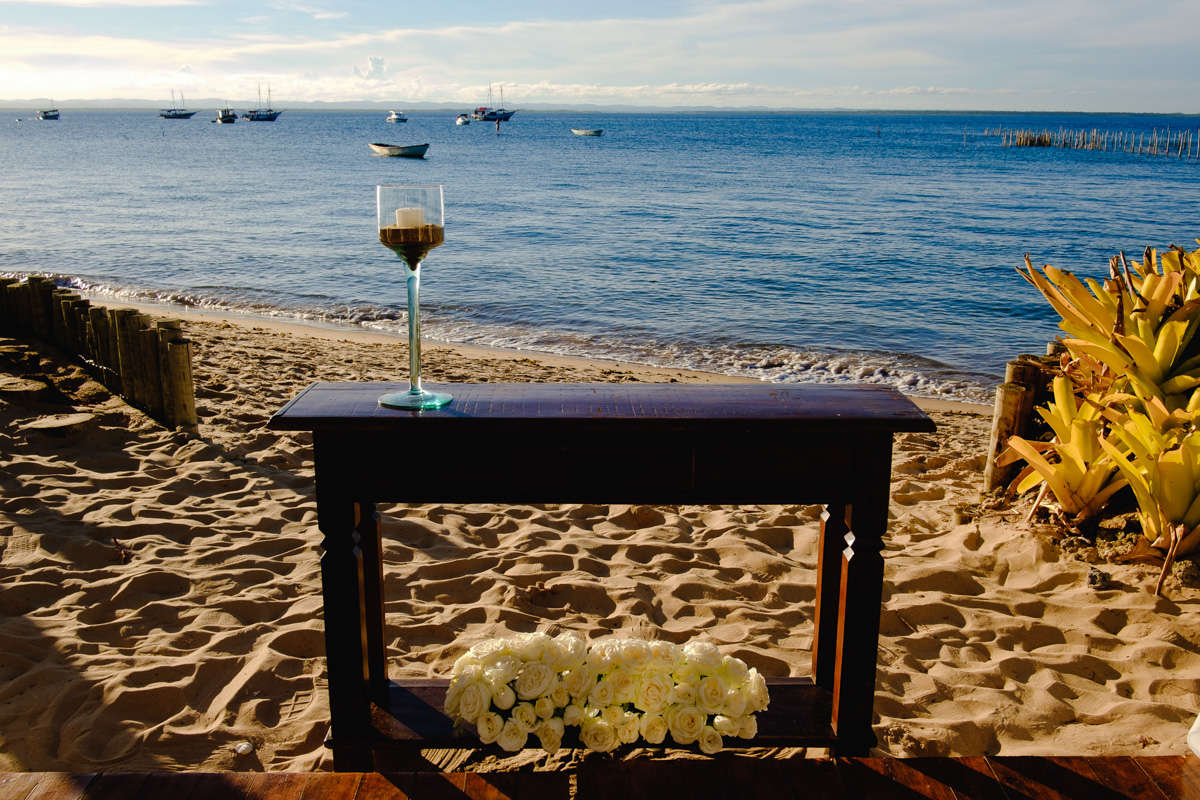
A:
1082	477
1140	324
1161	462
1129	417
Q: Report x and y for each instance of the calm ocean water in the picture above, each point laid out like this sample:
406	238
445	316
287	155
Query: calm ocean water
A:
873	247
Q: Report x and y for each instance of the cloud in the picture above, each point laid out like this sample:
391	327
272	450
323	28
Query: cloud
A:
315	13
107	3
375	72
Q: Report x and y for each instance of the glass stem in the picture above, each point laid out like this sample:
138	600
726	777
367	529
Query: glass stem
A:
414	328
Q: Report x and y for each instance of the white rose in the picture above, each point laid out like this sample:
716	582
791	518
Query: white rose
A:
503	697
513	736
726	726
489	726
560	696
736	703
634	653
534	679
653	728
710	694
550	741
654	692
687	673
501	669
572	715
664	655
625	685
748	727
525	715
598	735
578	681
629	728
544	707
703	655
685	723
473	701
571	651
470	673
453	692
602	694
732	672
683	694
529	646
488	649
710	740
463	662
759	698
601	657
613	715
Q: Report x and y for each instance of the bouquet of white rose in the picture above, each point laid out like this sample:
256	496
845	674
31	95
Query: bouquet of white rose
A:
616	691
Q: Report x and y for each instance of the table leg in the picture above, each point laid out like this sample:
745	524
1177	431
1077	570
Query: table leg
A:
834	525
370	542
343	587
860	598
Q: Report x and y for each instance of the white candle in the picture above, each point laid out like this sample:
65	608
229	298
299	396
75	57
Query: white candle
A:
410	217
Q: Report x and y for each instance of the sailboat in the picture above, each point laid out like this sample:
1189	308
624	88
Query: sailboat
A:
489	114
267	114
176	112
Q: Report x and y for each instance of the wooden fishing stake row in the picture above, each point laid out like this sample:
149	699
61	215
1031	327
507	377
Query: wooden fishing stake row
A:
1180	144
149	365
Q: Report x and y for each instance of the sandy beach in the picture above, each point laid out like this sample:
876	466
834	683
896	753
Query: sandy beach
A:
161	595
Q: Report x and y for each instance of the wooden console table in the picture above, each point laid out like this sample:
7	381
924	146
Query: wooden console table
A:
602	443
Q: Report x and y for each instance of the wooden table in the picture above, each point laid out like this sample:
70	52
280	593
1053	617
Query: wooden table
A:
602	443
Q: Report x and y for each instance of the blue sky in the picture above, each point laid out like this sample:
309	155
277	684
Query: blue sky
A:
930	54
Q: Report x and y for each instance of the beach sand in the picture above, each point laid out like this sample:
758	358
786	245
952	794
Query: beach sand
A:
160	597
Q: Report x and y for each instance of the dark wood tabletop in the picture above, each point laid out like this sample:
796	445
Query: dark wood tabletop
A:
857	407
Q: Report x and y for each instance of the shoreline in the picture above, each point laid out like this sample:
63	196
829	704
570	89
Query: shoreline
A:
335	332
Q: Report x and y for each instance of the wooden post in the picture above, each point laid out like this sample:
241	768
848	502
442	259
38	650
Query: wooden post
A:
77	311
1009	402
102	360
182	392
8	317
148	350
127	323
168	330
1027	373
57	321
40	290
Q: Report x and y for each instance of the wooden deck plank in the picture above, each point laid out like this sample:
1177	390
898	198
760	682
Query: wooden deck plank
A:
18	785
1123	772
728	775
1179	780
59	786
1051	778
333	786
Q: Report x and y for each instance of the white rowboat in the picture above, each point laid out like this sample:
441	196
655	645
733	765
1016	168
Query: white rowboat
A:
404	151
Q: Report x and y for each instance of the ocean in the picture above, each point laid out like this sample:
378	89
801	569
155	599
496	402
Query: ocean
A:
832	246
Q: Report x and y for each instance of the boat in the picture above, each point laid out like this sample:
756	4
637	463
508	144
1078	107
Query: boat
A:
396	116
489	114
176	112
49	113
402	150
462	119
267	114
226	116
587	131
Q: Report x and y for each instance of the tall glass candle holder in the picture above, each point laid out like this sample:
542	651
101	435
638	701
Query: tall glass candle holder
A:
411	223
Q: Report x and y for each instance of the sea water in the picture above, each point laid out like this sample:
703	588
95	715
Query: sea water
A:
855	246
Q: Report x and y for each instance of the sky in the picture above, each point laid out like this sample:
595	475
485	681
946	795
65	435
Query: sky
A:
1053	55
